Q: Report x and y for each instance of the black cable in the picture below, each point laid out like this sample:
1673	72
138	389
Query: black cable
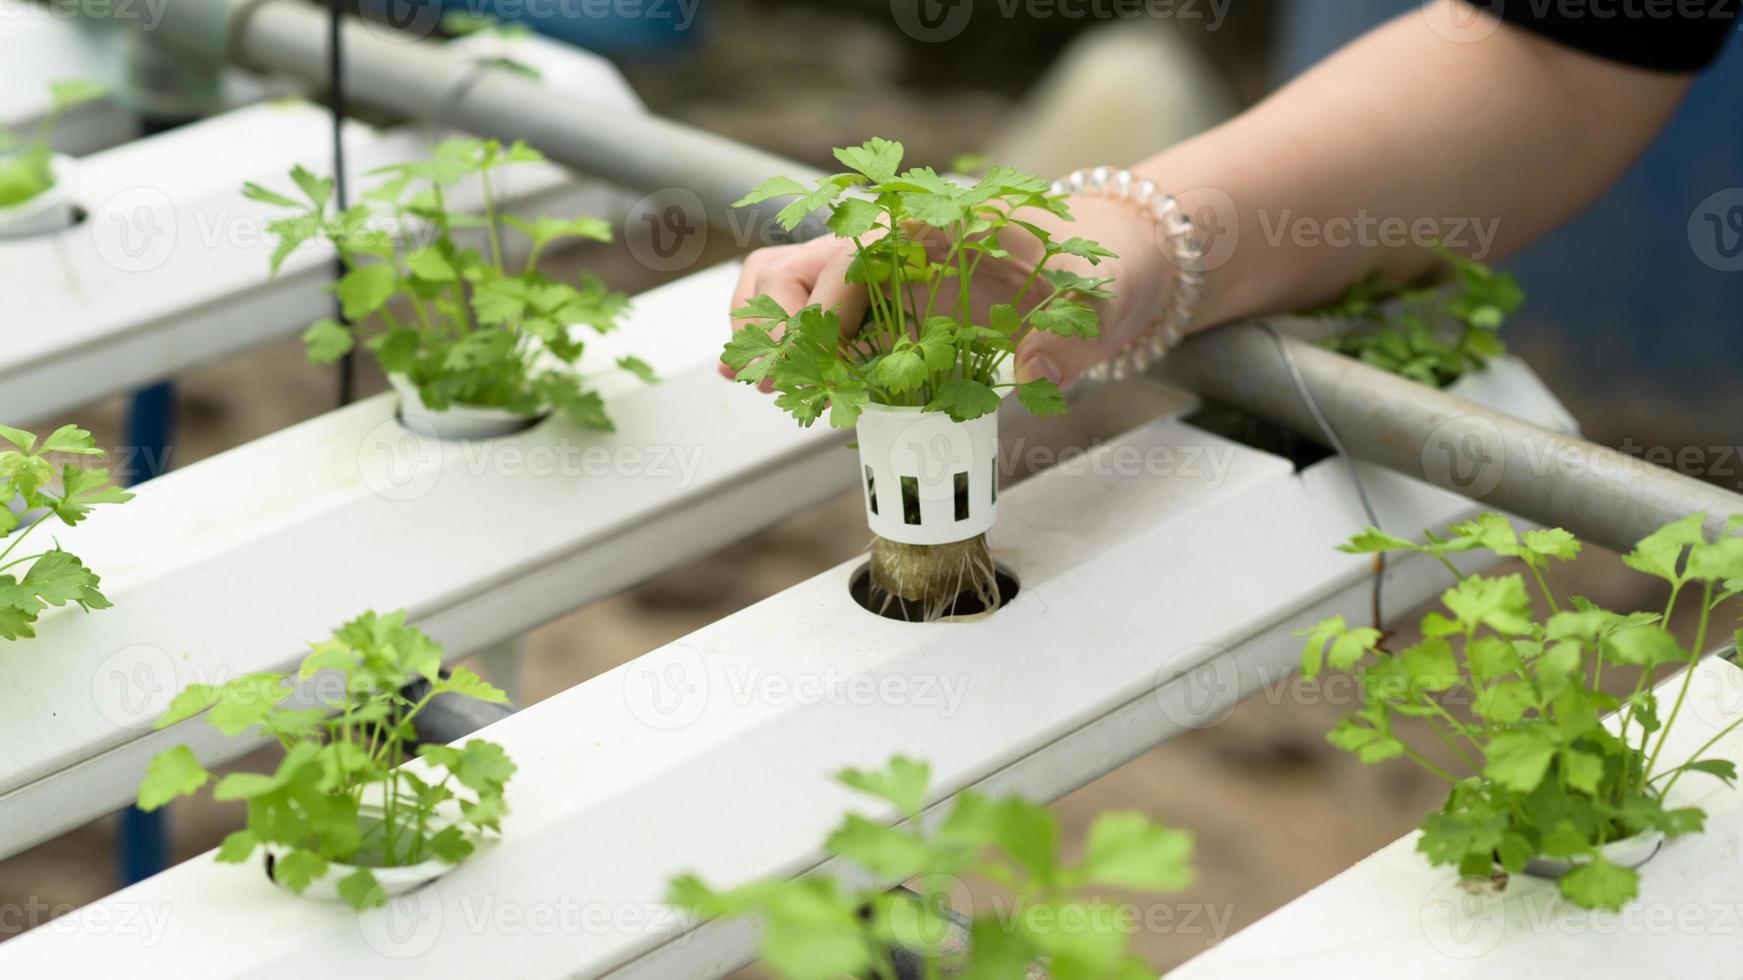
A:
1337	446
341	193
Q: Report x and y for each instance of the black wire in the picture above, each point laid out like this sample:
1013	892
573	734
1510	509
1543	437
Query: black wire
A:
341	193
1337	445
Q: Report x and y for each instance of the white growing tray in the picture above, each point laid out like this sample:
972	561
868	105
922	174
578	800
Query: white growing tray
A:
1150	601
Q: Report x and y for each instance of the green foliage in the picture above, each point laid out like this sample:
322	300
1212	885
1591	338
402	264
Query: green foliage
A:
1432	334
26	163
456	320
30	583
821	927
915	233
339	794
1543	773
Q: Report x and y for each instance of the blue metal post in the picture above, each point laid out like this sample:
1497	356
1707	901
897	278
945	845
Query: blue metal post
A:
150	431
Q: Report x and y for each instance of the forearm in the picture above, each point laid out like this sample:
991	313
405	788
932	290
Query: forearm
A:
1486	144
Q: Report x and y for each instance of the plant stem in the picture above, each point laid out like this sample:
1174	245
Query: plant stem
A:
1687	677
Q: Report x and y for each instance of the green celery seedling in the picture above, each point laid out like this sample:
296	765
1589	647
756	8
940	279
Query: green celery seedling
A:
820	927
54	577
25	163
347	744
1539	773
913	232
468	329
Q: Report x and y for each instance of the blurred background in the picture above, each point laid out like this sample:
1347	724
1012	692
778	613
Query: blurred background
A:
1631	319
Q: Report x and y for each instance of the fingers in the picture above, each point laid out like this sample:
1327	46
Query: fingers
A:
786	274
833	292
796	276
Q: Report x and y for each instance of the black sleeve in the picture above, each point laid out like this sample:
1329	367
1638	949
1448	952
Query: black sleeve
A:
1663	35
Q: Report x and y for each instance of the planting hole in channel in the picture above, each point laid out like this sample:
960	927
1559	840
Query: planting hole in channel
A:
902	610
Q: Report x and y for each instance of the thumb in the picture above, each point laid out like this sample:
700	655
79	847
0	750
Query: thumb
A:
1059	359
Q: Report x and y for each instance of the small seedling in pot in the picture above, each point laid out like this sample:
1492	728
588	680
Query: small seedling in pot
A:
932	342
461	326
31	582
27	163
339	808
1540	777
1433	334
822	926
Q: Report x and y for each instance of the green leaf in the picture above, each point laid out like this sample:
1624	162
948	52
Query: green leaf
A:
237	847
188	702
319	190
1374	540
638	367
173	773
77	441
1518	760
879	159
68	93
255	192
1370	744
902	782
544	231
361	891
18	437
462	682
888	853
327	341
1498	603
1659	552
903	371
1067	318
1127	850
1644	646
430	265
761	307
1083	248
772	188
965	399
365	289
58	578
854	217
846	402
1724	769
1599	884
1553	543
299	868
1041	397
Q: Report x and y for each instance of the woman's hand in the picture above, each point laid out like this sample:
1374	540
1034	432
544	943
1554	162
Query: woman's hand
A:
814	273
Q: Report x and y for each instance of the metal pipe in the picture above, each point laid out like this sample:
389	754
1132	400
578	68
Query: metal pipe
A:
1601	495
1612	499
397	73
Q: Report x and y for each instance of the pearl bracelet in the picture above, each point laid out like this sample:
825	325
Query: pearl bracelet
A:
1181	243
